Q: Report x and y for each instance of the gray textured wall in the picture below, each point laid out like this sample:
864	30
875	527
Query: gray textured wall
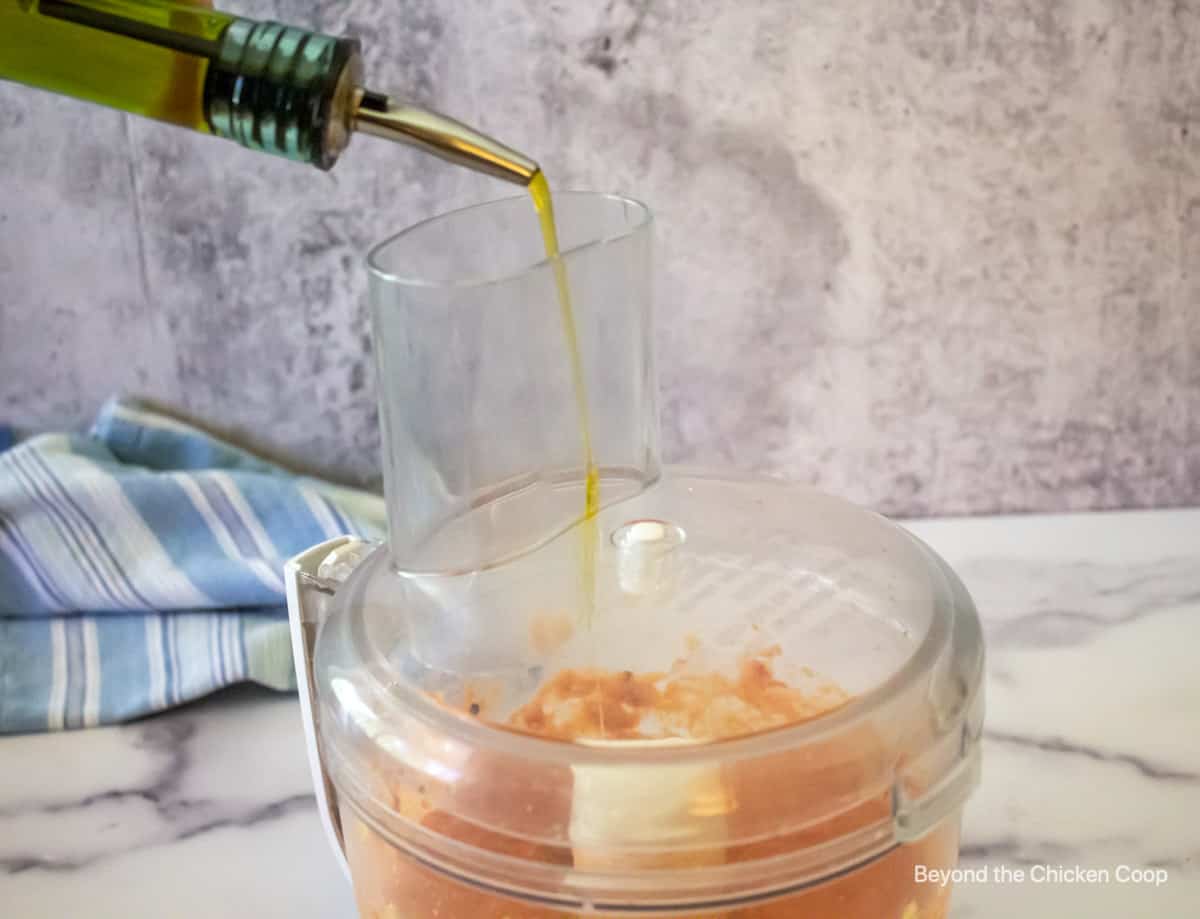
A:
935	256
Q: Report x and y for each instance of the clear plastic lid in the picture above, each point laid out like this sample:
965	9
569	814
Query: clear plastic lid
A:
759	687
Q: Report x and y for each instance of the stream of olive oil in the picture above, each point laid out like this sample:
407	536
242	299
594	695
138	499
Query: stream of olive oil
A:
539	190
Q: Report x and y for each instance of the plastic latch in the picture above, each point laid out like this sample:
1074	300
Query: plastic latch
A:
311	578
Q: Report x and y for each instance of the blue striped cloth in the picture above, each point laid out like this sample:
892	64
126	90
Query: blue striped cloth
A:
141	567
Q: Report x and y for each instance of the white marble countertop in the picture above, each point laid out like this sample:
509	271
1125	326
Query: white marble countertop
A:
1092	756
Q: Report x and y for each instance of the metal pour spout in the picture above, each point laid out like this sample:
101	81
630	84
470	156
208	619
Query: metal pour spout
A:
382	116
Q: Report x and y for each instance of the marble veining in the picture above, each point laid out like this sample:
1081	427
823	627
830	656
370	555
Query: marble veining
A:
934	257
1075	600
1091	756
1059	745
166	813
167	817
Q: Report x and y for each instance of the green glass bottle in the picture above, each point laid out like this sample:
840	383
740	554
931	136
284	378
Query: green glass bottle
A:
267	86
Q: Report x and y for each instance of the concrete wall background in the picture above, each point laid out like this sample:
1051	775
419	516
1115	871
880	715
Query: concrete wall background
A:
933	256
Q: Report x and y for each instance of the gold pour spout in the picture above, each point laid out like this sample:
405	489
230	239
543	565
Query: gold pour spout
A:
382	116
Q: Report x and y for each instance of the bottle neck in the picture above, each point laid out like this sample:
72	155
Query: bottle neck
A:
283	90
298	94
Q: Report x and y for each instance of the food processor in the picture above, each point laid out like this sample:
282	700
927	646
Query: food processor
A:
720	695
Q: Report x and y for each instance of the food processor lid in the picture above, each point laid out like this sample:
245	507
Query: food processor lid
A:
757	687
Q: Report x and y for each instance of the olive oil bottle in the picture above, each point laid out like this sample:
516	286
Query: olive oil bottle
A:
264	85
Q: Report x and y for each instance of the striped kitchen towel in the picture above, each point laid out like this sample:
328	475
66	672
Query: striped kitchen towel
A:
141	567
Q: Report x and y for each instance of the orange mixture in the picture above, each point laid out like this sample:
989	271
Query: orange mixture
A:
590	704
